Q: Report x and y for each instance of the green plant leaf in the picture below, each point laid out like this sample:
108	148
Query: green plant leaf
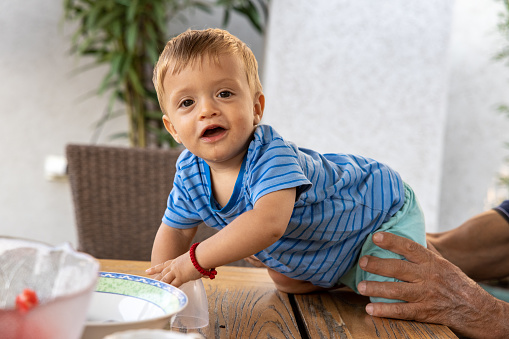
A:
159	16
226	18
116	29
131	11
108	116
120	135
85	44
123	2
154	115
126	65
91	17
135	81
152	94
250	12
153	53
106	83
107	19
203	6
131	36
117	61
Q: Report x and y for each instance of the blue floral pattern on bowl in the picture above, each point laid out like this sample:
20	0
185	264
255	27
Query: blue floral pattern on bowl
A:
165	296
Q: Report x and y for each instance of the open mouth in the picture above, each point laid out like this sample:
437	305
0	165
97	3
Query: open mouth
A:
213	131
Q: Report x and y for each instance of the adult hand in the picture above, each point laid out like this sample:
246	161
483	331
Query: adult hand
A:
434	289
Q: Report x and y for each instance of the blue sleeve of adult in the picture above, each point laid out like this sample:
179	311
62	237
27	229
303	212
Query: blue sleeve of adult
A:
503	210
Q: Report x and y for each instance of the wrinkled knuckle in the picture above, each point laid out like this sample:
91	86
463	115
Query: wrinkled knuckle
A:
445	265
401	266
412	246
399	311
393	293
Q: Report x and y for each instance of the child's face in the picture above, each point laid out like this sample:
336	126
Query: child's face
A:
210	109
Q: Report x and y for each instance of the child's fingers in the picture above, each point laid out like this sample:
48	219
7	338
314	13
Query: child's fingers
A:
153	270
168	277
158	276
158	268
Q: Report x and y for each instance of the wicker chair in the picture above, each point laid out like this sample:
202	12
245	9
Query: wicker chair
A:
119	197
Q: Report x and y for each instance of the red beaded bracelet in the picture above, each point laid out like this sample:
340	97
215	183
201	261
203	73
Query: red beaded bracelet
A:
210	273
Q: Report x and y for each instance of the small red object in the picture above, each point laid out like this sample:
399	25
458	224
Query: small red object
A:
26	300
209	273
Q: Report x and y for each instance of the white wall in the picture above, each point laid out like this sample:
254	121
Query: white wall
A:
364	77
41	110
389	80
475	132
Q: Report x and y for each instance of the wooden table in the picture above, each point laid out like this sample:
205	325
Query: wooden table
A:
243	303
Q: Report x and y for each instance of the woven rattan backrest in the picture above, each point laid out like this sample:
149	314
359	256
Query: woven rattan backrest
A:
119	198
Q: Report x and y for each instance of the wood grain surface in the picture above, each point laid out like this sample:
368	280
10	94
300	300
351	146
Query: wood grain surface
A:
341	314
243	303
250	310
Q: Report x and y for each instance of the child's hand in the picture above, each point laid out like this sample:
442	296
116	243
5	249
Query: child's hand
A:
175	272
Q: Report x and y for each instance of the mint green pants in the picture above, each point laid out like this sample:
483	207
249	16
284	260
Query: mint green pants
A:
408	222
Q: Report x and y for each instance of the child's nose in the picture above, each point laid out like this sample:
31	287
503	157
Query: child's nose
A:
208	109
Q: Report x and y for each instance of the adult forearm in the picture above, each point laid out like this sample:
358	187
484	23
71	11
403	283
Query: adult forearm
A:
480	246
496	324
478	314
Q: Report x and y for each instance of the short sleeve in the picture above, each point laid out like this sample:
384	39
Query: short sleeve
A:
275	166
180	211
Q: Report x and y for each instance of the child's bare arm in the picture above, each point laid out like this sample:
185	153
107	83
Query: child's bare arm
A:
171	242
248	234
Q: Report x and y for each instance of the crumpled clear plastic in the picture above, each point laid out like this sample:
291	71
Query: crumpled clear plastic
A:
63	280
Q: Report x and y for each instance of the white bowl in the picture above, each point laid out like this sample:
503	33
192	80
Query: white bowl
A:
124	302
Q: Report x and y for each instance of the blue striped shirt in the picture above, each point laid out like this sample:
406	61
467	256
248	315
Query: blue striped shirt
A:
341	198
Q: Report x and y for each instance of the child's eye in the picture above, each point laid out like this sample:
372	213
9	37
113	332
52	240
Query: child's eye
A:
225	94
187	103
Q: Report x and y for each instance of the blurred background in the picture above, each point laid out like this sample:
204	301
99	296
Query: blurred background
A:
412	84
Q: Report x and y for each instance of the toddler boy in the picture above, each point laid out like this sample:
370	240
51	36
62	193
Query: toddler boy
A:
306	216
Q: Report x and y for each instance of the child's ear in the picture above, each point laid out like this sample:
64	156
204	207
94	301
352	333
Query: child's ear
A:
259	106
170	128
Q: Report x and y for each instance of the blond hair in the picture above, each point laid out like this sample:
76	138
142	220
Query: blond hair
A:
192	45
